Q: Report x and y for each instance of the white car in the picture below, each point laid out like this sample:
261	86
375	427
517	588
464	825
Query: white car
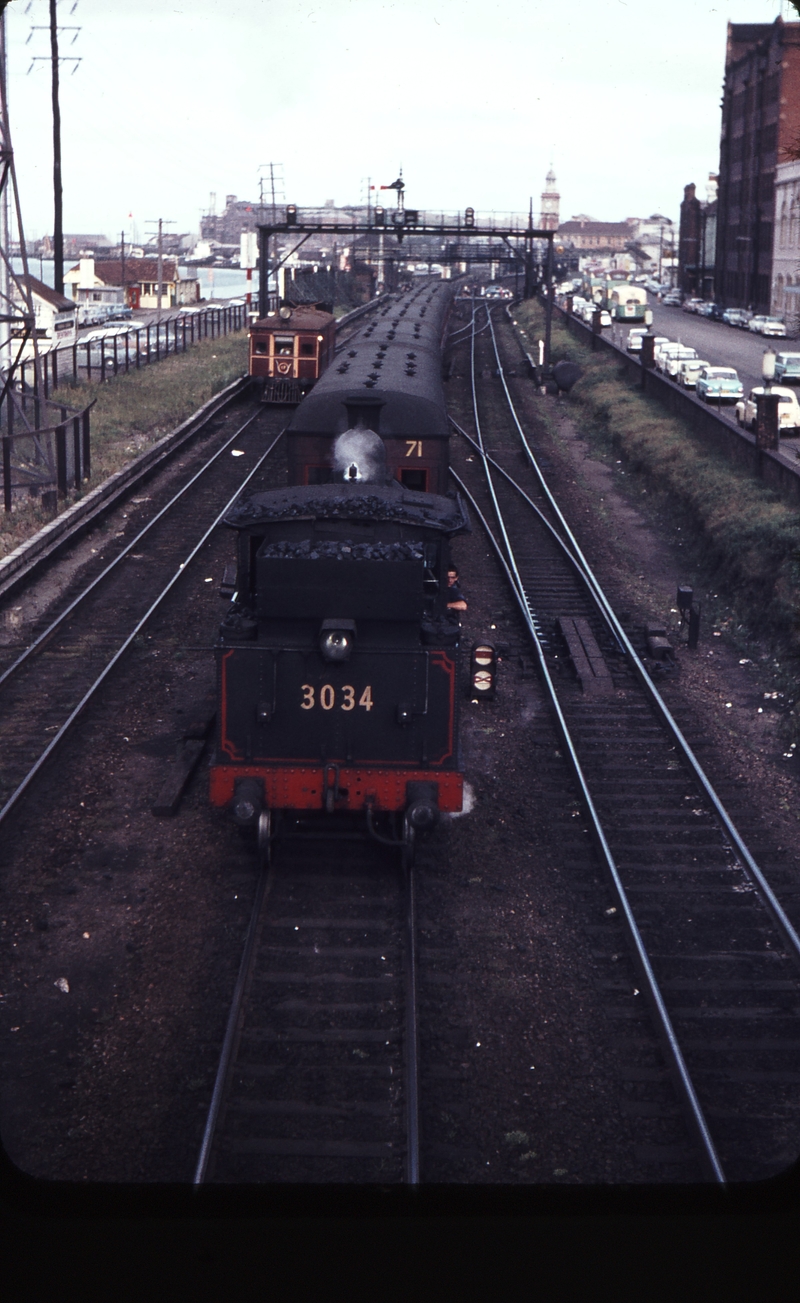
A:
689	371
788	409
675	361
663	351
659	342
634	344
767	326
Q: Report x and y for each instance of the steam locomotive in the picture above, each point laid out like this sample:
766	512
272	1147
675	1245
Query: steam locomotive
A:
338	659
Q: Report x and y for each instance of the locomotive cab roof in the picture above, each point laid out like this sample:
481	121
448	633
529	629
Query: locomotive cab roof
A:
360	501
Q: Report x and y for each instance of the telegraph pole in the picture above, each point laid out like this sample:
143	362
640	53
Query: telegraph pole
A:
58	219
160	265
160	247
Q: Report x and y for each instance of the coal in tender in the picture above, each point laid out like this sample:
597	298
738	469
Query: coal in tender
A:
343	550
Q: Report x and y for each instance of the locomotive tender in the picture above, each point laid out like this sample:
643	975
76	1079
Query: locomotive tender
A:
338	663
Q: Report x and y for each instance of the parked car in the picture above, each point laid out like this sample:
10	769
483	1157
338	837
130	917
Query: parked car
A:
715	312
665	352
774	326
692	305
787	366
675	361
720	382
736	317
605	317
673	299
660	341
767	326
788	409
661	345
689	371
634	344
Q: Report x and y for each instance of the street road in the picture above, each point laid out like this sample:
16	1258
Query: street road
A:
721	345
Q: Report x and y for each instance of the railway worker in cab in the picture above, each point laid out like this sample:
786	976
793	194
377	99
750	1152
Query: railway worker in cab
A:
455	597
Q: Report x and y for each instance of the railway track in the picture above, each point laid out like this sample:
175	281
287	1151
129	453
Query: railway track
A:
76	645
317	1078
714	952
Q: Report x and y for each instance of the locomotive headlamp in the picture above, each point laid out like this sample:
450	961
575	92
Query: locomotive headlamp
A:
337	639
248	801
483	670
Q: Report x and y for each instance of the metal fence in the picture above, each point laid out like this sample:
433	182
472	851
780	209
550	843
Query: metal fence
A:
116	349
46	446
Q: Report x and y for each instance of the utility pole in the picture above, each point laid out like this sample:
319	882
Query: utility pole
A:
58	219
160	249
122	258
160	265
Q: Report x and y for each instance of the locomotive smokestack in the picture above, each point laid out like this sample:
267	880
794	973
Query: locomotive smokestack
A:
360	455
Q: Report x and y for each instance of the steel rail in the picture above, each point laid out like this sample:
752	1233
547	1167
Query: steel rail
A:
412	1034
51	628
747	863
50	748
583	574
265	881
641	958
490	483
644	968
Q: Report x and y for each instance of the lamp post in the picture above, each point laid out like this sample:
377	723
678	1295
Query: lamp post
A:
767	405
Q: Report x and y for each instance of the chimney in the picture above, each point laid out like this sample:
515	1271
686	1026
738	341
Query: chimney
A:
86	281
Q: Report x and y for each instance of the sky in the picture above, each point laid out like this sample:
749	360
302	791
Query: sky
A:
474	99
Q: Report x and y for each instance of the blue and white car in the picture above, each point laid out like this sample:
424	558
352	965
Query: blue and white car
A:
720	384
787	367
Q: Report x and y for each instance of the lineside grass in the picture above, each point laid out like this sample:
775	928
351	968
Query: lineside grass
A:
745	541
132	412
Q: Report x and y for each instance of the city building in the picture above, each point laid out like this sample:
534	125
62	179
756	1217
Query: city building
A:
760	129
606	237
697	239
548	220
785	301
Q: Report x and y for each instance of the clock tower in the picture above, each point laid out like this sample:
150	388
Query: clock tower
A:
550	202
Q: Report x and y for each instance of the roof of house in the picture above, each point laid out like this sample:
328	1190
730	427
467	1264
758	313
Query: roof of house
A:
46	292
594	228
109	270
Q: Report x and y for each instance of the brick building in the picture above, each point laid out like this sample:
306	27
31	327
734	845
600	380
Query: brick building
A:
697	240
605	237
760	124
